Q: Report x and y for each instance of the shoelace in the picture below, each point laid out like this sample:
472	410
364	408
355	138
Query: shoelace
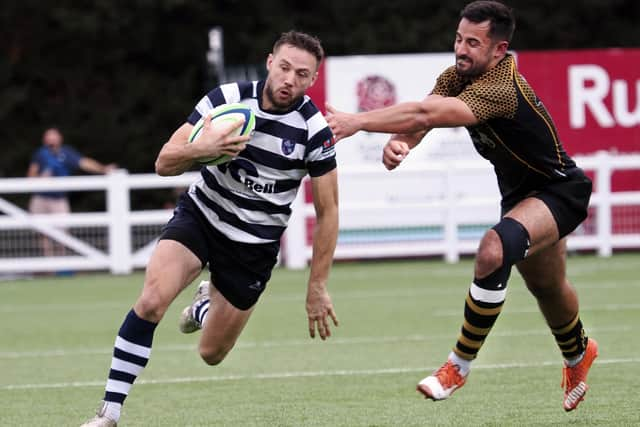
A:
569	376
448	374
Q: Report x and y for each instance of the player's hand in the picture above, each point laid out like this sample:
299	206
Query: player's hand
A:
319	310
342	124
217	141
394	153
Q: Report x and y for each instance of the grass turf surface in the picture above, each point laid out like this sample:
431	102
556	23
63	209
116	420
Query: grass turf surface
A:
398	322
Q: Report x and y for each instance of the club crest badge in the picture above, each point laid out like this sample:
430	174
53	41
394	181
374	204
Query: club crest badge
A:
375	92
288	146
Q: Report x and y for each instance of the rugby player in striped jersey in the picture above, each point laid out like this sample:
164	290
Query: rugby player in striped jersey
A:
233	216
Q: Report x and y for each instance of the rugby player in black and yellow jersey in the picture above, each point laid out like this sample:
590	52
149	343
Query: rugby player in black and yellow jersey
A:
544	194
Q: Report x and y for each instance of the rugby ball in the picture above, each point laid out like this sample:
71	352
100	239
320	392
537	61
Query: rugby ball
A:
222	113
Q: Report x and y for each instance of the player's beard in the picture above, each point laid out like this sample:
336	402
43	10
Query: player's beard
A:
268	90
474	69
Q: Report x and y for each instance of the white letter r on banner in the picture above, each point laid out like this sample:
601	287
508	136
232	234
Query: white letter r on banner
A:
582	97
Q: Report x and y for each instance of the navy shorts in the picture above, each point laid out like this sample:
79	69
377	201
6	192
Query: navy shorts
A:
240	271
567	199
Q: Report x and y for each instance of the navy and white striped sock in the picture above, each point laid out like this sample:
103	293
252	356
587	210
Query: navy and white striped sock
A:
130	355
200	311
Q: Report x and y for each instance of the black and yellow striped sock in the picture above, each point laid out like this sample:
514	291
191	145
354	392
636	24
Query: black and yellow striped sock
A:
571	338
481	310
486	295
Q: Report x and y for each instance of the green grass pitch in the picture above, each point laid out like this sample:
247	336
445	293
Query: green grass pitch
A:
398	322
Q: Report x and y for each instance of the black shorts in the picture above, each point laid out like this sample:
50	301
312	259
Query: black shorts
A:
567	199
240	271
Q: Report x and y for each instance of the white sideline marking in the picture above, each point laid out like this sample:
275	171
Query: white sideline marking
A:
290	343
299	374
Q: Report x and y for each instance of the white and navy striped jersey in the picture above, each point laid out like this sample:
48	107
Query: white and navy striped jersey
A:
248	199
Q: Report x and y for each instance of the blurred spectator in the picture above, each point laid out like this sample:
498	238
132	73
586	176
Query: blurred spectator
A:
57	159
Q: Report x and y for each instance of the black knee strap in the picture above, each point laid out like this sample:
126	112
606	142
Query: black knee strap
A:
515	244
514	238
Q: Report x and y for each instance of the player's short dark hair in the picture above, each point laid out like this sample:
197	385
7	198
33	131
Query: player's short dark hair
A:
302	41
502	20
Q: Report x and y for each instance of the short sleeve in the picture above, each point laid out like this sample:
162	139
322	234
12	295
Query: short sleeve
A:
206	104
223	94
494	94
490	100
37	157
72	158
321	153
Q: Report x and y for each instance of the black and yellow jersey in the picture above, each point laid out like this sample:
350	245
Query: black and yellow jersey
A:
515	131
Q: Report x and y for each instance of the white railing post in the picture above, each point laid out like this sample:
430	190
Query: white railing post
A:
451	254
295	238
603	187
120	259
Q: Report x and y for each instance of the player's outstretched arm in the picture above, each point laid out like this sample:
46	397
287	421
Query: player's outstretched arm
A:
178	155
319	305
403	118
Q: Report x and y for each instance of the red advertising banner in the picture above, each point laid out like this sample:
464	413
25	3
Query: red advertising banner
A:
594	99
318	92
592	95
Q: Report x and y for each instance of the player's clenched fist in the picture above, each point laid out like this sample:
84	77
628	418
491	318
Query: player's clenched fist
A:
394	153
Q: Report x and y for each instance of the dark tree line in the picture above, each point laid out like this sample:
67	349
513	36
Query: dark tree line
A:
118	76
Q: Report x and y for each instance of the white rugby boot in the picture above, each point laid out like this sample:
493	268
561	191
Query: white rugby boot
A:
188	323
101	419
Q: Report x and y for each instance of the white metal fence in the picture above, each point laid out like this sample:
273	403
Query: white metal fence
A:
448	221
118	255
